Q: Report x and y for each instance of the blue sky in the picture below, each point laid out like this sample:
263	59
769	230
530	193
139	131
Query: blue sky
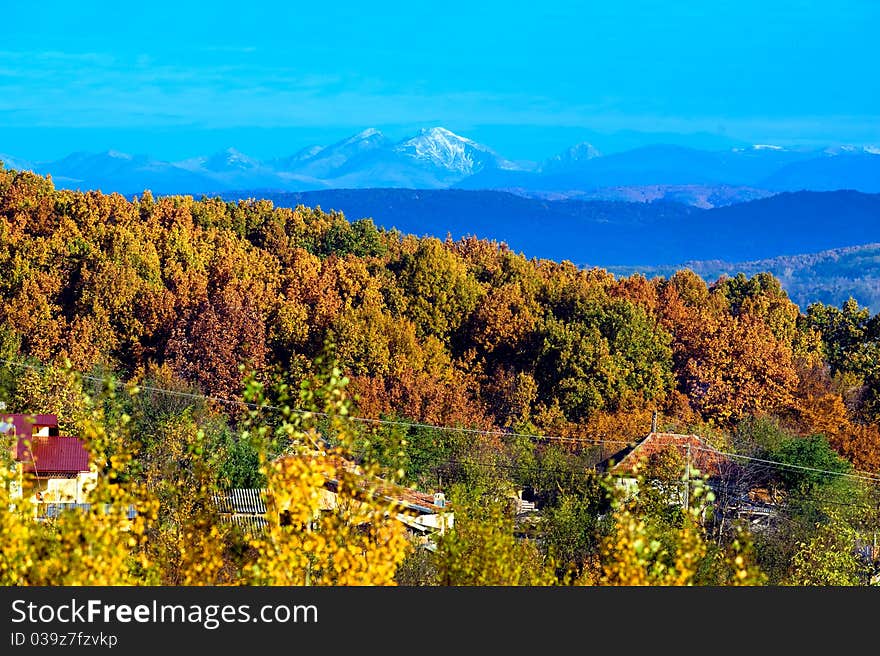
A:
176	78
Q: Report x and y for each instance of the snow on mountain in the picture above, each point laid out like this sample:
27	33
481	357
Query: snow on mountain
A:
363	136
448	151
291	162
326	162
848	149
231	160
574	156
225	161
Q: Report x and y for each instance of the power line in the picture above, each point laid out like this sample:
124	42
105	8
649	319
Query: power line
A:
490	433
587	472
594	441
530	467
367	420
860	475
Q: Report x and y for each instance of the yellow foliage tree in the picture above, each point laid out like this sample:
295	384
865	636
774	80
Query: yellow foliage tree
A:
637	551
482	550
99	546
349	536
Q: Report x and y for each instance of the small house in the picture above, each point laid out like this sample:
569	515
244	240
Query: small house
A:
422	514
669	461
50	467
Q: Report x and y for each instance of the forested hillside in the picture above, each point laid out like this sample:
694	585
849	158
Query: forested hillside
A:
180	292
612	232
831	276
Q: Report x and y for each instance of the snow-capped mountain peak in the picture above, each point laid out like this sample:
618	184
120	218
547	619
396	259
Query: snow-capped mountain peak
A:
446	150
369	135
230	160
431	139
575	155
439	133
363	141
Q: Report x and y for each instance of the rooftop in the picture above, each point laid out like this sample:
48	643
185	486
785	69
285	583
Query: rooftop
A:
411	500
54	455
701	456
24	426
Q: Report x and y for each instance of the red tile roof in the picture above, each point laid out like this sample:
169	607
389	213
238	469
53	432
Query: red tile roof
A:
407	497
55	455
702	457
413	499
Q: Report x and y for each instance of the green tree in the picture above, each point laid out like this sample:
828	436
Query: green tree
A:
482	550
440	290
609	356
813	463
828	557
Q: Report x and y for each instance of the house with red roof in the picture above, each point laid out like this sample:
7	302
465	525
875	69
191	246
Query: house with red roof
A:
692	450
51	468
669	461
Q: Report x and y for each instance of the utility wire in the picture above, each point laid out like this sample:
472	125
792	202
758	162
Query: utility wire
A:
595	441
366	420
860	475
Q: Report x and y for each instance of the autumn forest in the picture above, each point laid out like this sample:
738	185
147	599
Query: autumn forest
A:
194	341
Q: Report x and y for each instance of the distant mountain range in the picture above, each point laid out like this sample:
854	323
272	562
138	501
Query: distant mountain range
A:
606	233
656	238
435	158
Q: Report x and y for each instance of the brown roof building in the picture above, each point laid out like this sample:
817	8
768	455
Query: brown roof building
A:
691	448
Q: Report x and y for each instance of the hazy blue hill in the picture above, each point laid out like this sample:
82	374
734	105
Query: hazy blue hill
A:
785	224
660	164
858	170
614	233
649	165
506	179
113	171
830	276
567	229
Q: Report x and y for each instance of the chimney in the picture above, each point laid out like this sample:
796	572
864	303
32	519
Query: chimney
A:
654	422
